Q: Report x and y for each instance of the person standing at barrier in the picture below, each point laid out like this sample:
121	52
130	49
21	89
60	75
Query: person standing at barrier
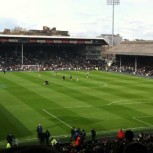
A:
39	130
93	134
8	145
47	136
120	134
10	138
73	130
83	134
53	141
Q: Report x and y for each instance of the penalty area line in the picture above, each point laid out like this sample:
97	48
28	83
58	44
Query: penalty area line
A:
128	100
57	118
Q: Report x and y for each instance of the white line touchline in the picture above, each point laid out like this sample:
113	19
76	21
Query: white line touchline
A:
141	121
136	128
56	118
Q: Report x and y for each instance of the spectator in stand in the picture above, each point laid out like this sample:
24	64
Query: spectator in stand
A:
29	149
78	140
129	135
135	147
83	135
76	134
93	134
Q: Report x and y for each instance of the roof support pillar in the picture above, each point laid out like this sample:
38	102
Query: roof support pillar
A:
135	64
22	53
120	62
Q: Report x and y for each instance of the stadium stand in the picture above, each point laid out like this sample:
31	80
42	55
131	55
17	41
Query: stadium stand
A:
134	57
11	61
47	61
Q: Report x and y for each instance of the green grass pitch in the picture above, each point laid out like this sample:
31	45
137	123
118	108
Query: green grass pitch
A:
105	101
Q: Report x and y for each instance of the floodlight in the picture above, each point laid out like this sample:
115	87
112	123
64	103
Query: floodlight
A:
113	2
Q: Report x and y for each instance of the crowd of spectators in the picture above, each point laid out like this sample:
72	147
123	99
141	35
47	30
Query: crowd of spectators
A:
65	60
47	60
124	142
142	71
128	143
137	65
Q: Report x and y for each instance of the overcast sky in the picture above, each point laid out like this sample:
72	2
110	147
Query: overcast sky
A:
87	18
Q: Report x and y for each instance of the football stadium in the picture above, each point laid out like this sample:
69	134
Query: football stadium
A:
56	85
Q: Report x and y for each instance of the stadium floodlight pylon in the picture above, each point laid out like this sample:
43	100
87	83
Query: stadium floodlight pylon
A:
113	3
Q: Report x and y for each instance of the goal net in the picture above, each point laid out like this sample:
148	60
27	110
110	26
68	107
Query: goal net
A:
30	67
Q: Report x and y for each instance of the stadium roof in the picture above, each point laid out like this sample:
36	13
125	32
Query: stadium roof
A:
142	48
50	39
42	36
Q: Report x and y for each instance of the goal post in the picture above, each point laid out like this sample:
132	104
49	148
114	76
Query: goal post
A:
30	67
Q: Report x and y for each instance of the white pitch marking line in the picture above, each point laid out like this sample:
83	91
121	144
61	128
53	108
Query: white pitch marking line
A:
145	116
118	101
126	103
57	118
136	128
78	107
105	84
141	121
